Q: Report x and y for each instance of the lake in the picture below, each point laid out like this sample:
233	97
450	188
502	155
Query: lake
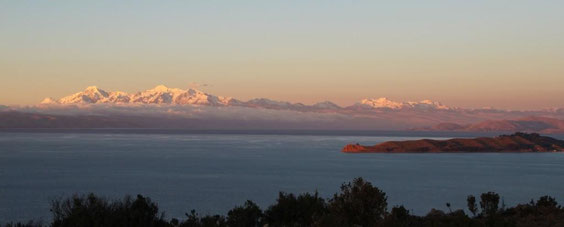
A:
213	171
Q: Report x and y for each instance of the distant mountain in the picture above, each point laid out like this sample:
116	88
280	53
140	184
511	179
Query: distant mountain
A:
518	142
14	119
527	124
389	104
272	104
209	118
164	95
158	95
326	106
164	107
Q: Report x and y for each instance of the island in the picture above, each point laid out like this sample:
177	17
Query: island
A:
518	142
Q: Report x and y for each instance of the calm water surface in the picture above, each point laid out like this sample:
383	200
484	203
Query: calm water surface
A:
214	172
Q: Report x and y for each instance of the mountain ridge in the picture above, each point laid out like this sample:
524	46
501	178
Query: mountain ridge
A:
165	95
526	124
187	108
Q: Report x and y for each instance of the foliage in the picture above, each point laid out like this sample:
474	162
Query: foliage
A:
91	210
248	215
357	204
489	203
472	207
290	210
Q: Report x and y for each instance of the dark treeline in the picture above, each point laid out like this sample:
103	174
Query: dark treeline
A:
357	204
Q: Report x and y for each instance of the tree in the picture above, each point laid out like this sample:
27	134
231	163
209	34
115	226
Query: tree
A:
248	215
91	210
489	203
547	201
358	203
472	207
213	221
290	210
139	212
399	213
192	220
399	217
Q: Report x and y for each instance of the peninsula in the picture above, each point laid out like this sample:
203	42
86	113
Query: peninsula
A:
518	142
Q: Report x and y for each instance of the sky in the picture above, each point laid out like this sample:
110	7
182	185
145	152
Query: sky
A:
503	54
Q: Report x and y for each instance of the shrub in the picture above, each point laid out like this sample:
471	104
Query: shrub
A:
91	210
248	215
290	210
358	203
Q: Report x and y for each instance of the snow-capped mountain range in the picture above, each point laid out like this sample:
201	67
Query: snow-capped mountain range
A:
164	95
163	107
386	103
158	95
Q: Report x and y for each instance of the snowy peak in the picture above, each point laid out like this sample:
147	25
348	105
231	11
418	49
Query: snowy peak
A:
382	103
160	88
117	97
389	104
48	100
91	94
192	96
165	89
428	104
157	95
94	89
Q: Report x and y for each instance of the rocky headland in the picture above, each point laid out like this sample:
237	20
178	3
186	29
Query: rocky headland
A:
518	142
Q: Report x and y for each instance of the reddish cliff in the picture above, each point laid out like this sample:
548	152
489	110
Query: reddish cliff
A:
518	142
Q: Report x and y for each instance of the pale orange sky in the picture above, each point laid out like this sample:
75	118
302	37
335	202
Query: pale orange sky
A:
466	54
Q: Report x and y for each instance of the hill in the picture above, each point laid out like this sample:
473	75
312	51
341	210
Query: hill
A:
526	124
518	142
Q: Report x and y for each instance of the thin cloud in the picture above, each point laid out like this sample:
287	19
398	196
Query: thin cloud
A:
195	85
